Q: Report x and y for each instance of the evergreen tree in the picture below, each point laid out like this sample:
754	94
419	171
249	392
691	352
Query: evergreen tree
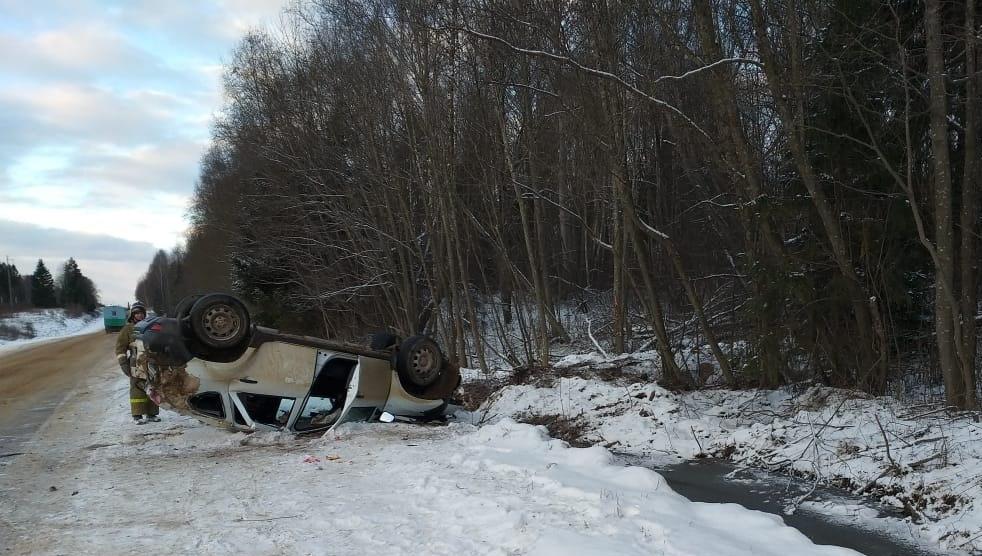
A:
69	281
43	287
76	289
9	284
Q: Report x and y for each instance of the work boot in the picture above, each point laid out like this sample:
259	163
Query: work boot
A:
139	420
153	419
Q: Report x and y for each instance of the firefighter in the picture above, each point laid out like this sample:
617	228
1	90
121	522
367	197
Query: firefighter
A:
141	407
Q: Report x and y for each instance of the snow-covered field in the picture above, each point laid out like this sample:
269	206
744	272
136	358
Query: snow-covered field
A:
919	460
45	324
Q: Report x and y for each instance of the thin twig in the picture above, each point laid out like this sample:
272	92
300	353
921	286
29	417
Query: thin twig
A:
696	439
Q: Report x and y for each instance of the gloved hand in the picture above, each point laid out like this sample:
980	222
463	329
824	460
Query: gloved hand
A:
124	363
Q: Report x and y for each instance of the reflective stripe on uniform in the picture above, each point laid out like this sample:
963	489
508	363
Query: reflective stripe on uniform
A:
139	400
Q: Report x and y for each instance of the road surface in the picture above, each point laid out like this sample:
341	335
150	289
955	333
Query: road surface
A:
35	379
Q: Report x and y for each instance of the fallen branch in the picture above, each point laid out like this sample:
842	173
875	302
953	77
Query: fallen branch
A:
932	412
925	460
589	333
793	507
266	518
886	442
869	485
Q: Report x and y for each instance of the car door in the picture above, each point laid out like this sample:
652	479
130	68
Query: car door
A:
266	390
333	389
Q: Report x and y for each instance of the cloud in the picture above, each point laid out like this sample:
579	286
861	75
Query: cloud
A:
105	110
85	50
19	239
154	218
121	176
114	264
73	112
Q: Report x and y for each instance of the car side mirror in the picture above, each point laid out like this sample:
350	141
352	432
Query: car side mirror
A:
386	417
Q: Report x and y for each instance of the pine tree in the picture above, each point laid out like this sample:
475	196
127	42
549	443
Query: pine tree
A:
69	280
43	287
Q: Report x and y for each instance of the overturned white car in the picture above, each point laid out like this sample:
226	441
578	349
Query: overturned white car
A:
211	362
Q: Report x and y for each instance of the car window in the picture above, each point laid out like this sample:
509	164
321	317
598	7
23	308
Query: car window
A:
268	410
317	412
327	395
208	403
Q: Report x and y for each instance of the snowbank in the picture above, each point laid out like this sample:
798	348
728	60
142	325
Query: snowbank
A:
45	324
505	488
917	459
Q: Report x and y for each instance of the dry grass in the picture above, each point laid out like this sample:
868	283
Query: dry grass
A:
10	332
474	393
571	430
546	377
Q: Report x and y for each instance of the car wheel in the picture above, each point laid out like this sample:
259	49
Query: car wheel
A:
419	361
219	321
383	340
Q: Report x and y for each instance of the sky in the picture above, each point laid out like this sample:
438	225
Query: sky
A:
105	112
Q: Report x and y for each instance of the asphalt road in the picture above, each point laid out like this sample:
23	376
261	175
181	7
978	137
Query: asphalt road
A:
36	379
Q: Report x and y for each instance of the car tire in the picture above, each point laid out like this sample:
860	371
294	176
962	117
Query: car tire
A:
219	321
382	341
216	355
183	309
419	362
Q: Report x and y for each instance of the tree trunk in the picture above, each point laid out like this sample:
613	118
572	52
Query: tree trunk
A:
618	286
944	312
969	211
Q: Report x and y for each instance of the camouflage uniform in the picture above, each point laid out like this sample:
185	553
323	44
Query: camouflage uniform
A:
140	403
165	384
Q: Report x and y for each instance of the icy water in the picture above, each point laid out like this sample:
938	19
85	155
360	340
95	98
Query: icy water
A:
712	481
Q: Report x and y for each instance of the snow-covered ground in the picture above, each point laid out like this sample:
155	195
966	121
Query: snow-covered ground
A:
93	482
45	324
920	460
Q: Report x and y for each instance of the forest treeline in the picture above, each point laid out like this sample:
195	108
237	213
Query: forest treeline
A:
71	290
792	183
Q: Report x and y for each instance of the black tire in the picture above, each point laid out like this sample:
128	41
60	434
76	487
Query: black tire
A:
382	341
183	309
223	355
183	312
419	362
220	321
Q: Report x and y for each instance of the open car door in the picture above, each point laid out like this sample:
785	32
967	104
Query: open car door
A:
334	390
270	385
